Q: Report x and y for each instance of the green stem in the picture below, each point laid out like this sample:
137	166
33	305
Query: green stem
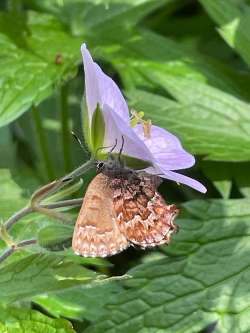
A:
43	143
66	137
47	190
16	247
17	216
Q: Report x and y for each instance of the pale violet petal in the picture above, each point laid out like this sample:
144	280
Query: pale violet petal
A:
166	148
111	95
177	177
115	128
91	82
100	88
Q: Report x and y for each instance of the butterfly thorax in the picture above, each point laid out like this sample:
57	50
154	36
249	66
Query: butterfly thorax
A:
115	169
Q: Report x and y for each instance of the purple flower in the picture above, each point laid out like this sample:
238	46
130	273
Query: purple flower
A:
162	149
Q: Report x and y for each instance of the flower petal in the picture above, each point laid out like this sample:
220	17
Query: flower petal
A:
116	128
100	88
111	95
185	180
177	177
93	95
166	148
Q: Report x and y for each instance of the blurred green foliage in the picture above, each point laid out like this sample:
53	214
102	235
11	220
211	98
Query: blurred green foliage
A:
185	64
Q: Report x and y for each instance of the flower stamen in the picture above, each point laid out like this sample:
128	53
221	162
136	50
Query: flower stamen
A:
137	118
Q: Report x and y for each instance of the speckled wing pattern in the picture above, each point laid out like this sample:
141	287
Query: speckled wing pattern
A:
119	212
142	214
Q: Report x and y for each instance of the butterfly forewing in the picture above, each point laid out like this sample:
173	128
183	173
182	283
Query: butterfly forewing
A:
97	233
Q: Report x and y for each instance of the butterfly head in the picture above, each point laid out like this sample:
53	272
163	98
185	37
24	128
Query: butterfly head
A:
112	167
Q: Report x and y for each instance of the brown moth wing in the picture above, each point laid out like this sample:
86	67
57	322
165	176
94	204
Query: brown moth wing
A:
96	232
142	213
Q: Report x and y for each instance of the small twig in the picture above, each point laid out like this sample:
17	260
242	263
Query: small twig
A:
64	203
51	187
80	170
47	209
16	247
17	216
27	242
6	254
53	214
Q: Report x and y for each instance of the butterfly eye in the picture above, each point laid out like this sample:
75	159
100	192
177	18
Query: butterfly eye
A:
100	166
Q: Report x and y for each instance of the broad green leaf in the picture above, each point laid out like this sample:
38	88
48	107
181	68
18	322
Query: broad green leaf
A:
40	273
79	302
233	20
209	121
204	280
29	73
19	320
221	174
99	15
55	236
9	189
143	52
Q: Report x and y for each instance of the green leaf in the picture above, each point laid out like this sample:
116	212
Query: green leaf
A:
209	121
19	320
144	52
204	280
30	73
55	236
99	15
80	302
221	174
40	273
233	20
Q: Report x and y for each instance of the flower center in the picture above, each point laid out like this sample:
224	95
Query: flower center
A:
137	118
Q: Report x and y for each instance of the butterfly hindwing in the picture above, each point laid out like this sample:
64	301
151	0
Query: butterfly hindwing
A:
142	214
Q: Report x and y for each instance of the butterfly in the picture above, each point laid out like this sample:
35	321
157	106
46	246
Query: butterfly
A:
122	208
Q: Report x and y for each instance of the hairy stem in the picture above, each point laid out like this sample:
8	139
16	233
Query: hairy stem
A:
36	205
63	203
65	218
16	247
47	190
80	170
17	216
66	137
42	139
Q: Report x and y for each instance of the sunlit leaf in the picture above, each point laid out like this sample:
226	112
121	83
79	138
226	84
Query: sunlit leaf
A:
29	73
204	280
21	320
233	20
38	274
80	302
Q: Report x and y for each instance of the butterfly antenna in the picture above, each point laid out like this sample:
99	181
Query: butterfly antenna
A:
112	148
78	140
121	149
